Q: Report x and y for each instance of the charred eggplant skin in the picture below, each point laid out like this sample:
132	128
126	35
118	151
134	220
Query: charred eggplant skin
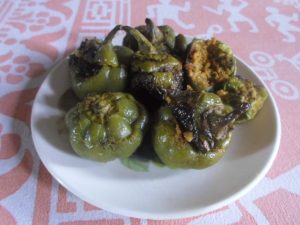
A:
106	126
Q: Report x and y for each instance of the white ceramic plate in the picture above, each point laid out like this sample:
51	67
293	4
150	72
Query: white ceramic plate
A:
160	193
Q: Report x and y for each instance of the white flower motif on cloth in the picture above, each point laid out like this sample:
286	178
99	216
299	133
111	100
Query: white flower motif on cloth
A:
22	23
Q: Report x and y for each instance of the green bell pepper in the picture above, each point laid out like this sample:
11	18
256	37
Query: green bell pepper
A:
168	37
238	90
94	67
156	72
106	126
208	63
194	131
124	55
162	37
180	46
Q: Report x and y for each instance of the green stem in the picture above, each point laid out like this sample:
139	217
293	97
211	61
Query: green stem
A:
155	34
145	46
112	34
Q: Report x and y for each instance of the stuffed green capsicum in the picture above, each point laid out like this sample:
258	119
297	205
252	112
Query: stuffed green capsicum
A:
208	63
94	67
162	37
238	90
194	130
155	72
106	126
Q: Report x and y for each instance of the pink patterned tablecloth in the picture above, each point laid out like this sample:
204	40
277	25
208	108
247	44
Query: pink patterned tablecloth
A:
34	35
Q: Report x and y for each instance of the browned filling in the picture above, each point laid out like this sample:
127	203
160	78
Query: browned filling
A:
199	67
208	64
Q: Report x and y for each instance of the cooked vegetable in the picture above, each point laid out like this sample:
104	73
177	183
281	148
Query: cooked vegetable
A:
194	131
238	90
180	46
162	37
106	126
168	41
192	89
158	73
124	55
209	62
94	67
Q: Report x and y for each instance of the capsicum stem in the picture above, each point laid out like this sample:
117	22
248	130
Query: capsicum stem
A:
154	32
112	34
145	46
